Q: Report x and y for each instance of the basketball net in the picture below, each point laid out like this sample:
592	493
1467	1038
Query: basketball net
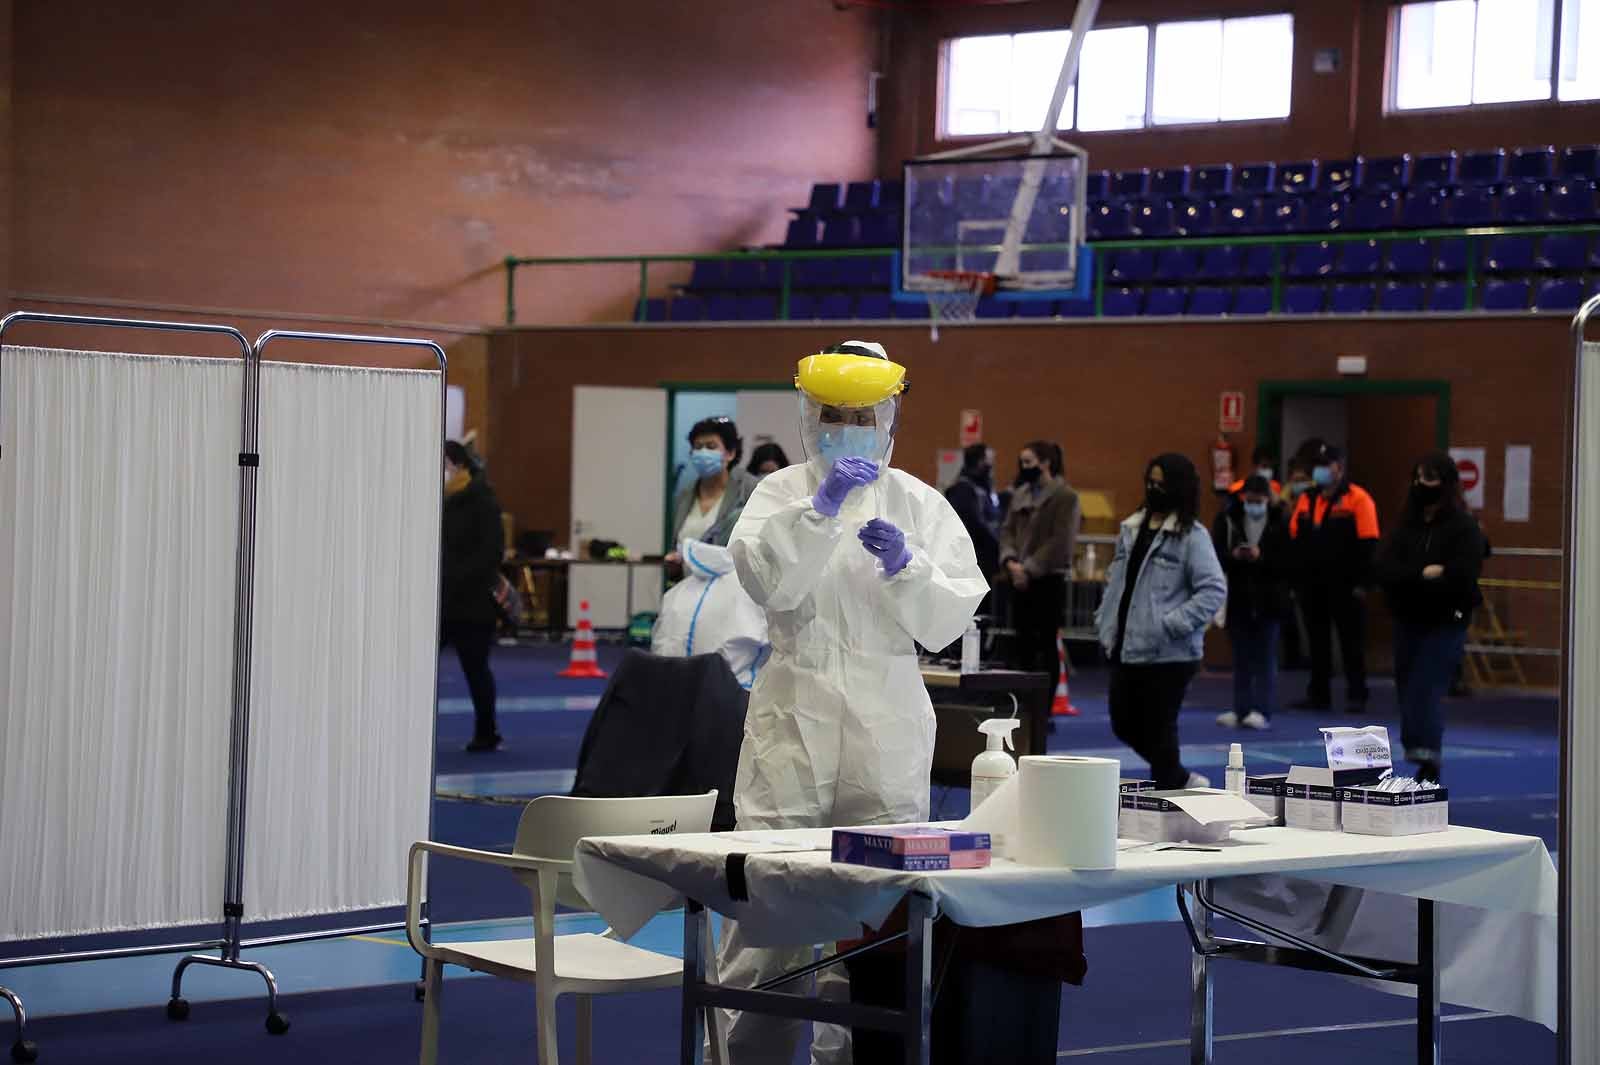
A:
959	303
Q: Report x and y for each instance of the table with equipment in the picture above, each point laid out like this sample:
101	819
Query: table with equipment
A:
961	701
784	889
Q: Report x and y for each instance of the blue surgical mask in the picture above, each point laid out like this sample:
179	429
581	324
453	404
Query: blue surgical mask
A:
839	441
1255	510
1322	475
707	461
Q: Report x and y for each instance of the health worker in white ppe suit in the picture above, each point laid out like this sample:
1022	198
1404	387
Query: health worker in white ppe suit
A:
855	564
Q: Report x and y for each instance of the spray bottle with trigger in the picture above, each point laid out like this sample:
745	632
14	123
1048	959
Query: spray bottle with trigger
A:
994	766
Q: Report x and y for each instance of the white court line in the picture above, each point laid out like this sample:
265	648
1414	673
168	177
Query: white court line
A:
1274	1034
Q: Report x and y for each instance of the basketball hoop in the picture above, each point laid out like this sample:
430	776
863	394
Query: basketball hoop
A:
959	302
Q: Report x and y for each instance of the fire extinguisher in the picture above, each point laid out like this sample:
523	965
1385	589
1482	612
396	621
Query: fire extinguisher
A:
1222	459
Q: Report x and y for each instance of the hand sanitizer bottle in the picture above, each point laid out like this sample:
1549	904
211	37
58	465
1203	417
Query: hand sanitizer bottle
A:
970	649
994	766
1234	776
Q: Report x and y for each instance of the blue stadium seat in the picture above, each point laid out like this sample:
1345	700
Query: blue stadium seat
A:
1176	264
861	196
1371	211
1282	214
1097	186
1400	297
686	309
971	192
1532	164
1002	192
880	271
891	194
1110	221
814	273
1170	183
1351	298
1572	200
1303	299
1297	179
1208	301
1581	161
1254	179
1337	175
1407	258
1450	255
1076	308
655	310
913	309
1310	260
744	273
722	307
835	306
840	231
1505	295
1213	180
854	272
1258	261
758	308
990	307
1153	218
1122	302
824	198
1236	216
1594	255
1388	173
1131	265
1192	218
1325	213
1469	205
802	232
1220	262
1036	308
1359	258
1565	252
1434	170
1559	294
1422	209
1130	184
1482	168
1164	300
1448	296
707	274
880	229
1508	255
1251	299
802	305
1522	202
1044	260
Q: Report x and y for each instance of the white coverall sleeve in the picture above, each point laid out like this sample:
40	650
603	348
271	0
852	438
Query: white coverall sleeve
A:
934	596
780	547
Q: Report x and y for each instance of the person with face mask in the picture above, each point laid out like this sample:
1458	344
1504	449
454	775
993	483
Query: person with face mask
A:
1262	463
1334	530
1163	588
707	507
855	563
1429	569
1037	545
1252	541
472	544
766	458
973	499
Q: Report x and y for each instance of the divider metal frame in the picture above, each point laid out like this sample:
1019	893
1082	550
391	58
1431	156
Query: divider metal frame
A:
231	944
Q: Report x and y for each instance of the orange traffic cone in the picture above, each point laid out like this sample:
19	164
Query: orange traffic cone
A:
583	663
1062	706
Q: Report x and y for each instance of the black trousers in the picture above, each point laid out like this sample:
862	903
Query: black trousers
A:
1145	700
1328	607
1037	613
472	643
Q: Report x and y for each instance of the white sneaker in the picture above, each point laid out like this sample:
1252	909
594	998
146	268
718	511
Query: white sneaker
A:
1257	720
1228	719
1198	781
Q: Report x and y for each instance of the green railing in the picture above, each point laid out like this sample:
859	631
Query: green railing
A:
1474	236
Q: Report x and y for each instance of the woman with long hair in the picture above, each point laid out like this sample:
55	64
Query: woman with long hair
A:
1429	569
1162	590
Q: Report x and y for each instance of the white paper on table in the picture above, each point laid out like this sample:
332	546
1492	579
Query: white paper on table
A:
1519	477
1210	806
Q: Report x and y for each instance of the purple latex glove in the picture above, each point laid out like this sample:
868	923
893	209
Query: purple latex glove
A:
888	543
847	473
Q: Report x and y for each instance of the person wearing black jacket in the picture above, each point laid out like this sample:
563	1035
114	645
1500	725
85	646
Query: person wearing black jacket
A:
1252	539
1429	569
472	545
973	499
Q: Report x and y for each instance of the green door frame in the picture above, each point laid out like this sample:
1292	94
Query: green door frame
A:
1270	396
672	388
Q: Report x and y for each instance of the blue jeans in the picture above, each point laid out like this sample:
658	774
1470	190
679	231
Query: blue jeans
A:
1255	665
1425	661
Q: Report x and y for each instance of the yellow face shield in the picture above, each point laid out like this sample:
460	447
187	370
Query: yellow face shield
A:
851	381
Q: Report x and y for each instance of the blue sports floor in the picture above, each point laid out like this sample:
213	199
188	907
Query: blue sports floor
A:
350	1000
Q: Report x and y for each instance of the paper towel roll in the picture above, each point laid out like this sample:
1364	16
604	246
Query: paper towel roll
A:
1067	811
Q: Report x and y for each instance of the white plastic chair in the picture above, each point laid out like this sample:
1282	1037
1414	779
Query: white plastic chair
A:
583	964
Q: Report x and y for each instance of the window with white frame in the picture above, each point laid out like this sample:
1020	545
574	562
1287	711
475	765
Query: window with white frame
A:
1129	77
1459	53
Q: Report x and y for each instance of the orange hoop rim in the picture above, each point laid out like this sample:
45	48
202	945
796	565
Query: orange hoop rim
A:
975	281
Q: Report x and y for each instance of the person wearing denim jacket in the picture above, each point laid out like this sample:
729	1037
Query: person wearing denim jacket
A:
1163	588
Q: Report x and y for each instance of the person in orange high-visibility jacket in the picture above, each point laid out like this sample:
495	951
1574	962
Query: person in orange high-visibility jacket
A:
1334	530
1261	461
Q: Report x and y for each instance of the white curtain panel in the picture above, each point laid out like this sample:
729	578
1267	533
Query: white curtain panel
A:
118	493
1581	861
341	730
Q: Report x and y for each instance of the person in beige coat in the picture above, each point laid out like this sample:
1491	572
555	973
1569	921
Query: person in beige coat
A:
1037	544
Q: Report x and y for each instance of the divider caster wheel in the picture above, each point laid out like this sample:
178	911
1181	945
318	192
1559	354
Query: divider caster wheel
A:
420	991
277	1023
177	1009
23	1052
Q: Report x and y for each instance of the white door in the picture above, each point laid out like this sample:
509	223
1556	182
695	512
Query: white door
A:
618	454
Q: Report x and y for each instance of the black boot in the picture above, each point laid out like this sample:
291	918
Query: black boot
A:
485	744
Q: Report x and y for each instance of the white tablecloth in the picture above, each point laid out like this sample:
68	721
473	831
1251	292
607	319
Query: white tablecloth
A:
799	896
